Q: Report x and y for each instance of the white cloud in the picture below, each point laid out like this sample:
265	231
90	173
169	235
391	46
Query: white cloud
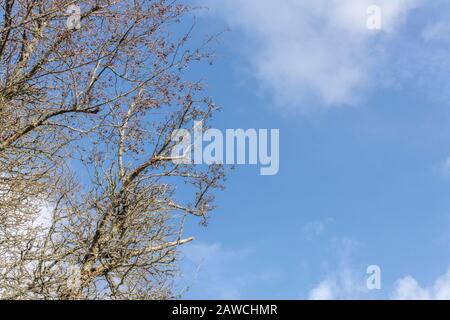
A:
348	284
313	229
345	284
313	48
215	272
324	291
409	289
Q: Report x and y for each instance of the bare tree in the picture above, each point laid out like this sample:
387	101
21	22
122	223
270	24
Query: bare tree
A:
87	115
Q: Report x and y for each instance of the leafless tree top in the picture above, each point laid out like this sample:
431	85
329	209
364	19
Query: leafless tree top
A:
91	205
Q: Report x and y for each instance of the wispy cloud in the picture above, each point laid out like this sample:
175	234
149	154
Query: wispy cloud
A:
437	32
216	271
342	281
314	229
444	168
345	284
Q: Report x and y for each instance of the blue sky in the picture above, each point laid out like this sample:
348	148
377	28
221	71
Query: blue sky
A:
364	146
